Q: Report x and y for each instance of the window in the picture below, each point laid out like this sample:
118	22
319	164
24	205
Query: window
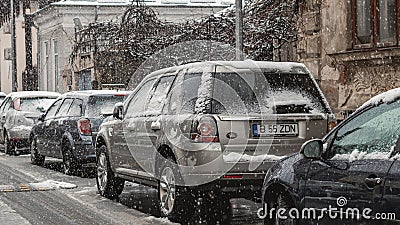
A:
63	111
53	109
55	51
159	95
374	131
102	104
375	23
76	108
46	66
137	103
34	104
184	93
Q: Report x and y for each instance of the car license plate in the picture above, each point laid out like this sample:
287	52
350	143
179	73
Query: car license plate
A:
289	129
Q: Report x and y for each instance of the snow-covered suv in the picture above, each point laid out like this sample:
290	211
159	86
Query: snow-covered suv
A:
209	129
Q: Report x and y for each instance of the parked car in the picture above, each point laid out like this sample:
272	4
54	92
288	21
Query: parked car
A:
2	97
68	129
182	115
19	113
355	166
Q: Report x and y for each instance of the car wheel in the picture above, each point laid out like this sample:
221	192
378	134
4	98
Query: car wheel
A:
8	145
282	201
108	184
70	165
36	158
175	201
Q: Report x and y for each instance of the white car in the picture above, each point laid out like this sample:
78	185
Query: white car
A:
18	113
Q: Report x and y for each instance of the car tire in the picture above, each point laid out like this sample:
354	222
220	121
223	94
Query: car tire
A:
8	146
284	201
108	184
175	202
70	164
36	158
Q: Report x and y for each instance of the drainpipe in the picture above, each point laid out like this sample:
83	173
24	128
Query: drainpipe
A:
38	54
14	83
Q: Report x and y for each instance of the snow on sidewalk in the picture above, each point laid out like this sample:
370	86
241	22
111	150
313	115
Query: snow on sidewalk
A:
10	217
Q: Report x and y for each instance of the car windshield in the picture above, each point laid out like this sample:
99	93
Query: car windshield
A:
272	93
35	104
98	105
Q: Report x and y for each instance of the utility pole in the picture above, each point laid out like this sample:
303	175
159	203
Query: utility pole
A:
14	83
239	30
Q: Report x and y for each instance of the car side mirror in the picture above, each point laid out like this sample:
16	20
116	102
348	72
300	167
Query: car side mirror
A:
312	149
41	117
118	111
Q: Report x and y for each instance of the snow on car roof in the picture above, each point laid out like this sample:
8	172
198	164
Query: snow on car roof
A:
98	92
279	67
386	97
24	94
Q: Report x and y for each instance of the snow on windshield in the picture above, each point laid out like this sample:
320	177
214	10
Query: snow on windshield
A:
38	104
356	155
254	93
102	104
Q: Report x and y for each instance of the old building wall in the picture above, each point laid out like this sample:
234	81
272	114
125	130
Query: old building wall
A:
347	76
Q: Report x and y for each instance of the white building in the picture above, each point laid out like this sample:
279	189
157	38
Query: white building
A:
57	29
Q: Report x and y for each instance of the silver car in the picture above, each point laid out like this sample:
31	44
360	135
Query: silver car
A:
18	113
209	129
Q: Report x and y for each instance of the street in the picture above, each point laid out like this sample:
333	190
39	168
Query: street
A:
31	194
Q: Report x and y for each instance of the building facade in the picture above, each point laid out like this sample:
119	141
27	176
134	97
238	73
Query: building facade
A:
352	48
58	22
5	52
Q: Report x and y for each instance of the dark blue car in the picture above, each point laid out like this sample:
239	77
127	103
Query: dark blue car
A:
69	127
350	176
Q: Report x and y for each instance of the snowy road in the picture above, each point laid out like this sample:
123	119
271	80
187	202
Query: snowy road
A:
31	194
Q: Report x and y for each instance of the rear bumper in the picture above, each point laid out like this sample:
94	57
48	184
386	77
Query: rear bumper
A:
19	135
249	186
85	154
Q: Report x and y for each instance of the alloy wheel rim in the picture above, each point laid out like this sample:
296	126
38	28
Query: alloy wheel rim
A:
6	144
33	151
167	190
67	163
102	171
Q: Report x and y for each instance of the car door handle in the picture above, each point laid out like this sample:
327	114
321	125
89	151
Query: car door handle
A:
373	181
155	125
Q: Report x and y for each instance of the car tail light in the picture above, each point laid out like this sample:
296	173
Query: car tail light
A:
84	127
205	130
331	124
233	176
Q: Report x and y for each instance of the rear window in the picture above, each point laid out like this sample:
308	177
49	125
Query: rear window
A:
36	104
251	93
104	104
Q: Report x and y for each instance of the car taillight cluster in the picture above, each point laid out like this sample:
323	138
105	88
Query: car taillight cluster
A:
205	130
84	127
331	124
